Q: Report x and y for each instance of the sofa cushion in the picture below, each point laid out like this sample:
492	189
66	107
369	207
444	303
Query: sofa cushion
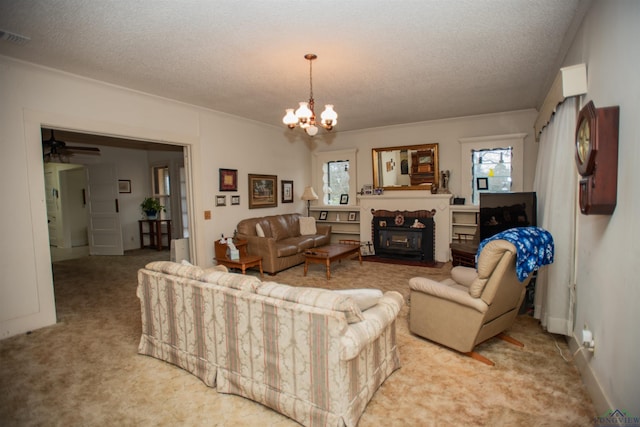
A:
259	230
182	270
364	298
279	227
240	282
313	297
307	226
286	248
218	267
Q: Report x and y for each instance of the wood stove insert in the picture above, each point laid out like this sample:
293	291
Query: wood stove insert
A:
404	234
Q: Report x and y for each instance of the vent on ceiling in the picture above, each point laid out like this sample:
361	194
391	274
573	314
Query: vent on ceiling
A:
13	37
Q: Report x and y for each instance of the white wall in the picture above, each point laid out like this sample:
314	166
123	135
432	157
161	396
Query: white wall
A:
608	288
33	97
444	132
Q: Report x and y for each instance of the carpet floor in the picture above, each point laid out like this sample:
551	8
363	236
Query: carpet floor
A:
85	370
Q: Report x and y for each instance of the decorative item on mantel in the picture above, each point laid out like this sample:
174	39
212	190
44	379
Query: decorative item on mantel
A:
151	206
444	182
305	115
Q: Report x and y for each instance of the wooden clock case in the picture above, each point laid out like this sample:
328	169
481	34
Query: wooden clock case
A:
599	185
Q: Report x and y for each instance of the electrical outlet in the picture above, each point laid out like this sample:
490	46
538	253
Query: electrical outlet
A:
587	339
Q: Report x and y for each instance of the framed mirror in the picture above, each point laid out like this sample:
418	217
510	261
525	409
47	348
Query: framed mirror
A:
407	167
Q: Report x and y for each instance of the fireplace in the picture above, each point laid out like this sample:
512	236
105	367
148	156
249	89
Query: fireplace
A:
404	234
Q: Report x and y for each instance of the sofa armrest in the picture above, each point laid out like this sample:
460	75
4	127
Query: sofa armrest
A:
376	319
446	292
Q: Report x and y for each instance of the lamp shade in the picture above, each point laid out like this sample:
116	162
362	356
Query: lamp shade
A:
309	194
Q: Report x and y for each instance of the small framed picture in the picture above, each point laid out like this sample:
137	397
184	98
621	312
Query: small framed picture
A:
228	180
344	199
287	191
221	200
482	183
367	189
124	186
323	215
352	216
235	200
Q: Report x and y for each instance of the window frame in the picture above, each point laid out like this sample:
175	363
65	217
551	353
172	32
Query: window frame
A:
322	157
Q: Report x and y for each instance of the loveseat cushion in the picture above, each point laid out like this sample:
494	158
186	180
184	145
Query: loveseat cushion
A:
314	297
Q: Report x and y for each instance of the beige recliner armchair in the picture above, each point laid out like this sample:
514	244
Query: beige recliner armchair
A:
471	306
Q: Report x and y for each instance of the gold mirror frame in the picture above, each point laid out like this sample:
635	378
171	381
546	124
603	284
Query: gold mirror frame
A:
395	168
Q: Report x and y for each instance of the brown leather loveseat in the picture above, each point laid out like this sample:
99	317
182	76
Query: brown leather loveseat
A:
282	239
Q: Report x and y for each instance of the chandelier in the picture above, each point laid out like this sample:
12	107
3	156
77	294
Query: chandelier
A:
305	115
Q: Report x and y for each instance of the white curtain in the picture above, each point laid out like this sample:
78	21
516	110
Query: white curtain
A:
556	184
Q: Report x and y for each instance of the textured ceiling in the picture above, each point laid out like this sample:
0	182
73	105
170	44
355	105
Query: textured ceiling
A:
379	62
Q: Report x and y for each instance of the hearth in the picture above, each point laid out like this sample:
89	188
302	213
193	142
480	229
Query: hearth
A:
404	234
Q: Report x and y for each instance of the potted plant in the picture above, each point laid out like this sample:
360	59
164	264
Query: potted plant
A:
151	206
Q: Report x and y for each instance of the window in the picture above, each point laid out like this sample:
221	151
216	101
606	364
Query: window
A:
491	164
333	175
494	165
335	179
162	188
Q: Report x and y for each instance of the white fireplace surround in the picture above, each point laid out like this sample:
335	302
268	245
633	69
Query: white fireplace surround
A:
410	201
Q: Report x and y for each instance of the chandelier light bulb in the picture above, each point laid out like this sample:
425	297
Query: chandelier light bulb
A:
304	113
329	117
290	119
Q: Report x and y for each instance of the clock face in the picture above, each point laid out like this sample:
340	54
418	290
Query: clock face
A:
586	140
583	140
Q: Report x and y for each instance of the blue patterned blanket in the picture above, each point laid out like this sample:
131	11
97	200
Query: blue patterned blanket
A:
534	247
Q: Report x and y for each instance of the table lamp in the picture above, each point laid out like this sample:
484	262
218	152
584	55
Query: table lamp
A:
309	195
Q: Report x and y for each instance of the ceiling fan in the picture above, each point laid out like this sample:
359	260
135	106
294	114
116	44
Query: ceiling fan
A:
59	150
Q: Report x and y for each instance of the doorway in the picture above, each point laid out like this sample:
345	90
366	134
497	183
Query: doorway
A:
134	160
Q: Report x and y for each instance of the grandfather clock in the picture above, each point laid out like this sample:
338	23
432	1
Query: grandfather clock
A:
596	147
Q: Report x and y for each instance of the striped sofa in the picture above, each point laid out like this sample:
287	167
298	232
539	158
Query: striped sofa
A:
308	353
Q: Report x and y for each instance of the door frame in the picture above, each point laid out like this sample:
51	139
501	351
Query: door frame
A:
34	120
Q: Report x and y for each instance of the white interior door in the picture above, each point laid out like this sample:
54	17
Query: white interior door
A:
105	233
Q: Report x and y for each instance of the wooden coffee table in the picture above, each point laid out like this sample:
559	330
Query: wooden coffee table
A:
327	254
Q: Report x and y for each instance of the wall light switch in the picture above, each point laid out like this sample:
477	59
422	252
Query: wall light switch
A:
207	214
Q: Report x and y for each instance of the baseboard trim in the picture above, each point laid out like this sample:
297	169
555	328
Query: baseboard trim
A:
601	401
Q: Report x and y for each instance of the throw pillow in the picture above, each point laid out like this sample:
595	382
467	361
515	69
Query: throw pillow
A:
259	230
307	226
364	298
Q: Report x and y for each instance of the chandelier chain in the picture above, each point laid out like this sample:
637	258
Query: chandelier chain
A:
311	79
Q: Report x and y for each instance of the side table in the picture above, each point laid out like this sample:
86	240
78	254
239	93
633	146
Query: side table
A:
245	261
155	232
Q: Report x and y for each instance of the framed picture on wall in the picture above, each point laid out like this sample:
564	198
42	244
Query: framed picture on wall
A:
221	200
228	180
124	186
235	200
482	183
287	191
263	191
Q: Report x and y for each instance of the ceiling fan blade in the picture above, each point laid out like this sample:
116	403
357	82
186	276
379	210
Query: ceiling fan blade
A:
92	149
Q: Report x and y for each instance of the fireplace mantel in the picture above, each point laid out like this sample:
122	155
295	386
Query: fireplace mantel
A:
410	201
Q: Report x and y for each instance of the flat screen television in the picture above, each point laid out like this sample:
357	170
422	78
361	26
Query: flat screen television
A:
502	211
